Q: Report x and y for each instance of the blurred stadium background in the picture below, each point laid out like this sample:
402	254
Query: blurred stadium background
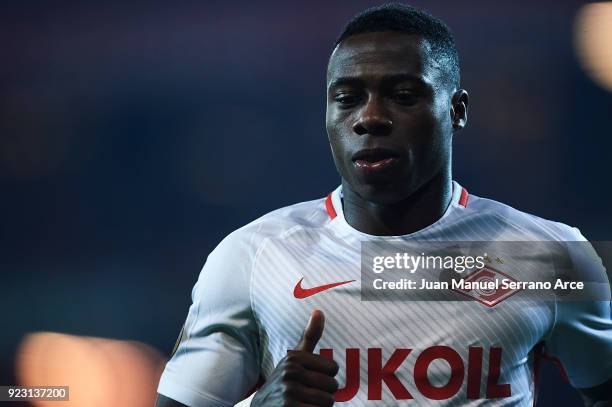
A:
133	138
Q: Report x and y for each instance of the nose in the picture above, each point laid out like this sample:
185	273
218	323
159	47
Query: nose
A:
373	120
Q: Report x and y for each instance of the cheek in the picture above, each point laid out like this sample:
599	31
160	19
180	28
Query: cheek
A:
335	121
335	142
340	143
429	144
443	113
338	134
435	149
434	124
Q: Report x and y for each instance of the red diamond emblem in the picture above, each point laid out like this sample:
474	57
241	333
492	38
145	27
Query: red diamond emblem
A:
488	297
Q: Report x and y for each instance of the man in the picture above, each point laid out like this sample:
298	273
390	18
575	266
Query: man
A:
393	106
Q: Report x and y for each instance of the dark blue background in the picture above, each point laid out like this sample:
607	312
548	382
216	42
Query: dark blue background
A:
133	138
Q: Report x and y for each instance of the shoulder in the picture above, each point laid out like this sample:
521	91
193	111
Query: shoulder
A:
281	223
517	224
232	261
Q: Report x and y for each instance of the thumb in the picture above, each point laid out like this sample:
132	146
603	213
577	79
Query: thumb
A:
312	332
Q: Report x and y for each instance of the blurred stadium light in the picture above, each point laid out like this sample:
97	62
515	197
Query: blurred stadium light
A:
98	371
593	36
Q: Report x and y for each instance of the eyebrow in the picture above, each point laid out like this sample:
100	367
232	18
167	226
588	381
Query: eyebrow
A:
388	79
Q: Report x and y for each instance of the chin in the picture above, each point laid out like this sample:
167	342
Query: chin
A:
384	193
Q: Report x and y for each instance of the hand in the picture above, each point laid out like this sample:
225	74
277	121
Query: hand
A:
301	379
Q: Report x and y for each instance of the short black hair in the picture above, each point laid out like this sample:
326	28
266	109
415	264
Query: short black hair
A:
410	20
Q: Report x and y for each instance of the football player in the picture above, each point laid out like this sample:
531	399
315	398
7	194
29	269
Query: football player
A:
278	302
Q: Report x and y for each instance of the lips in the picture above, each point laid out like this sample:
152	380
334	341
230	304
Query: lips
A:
375	159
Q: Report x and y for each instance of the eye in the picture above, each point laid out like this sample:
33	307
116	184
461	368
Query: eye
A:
405	97
346	99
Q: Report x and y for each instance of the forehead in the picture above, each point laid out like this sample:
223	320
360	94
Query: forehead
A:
375	55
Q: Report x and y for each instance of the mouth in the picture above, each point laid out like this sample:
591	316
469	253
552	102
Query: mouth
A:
375	159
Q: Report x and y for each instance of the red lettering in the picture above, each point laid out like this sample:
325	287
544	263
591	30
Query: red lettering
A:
495	390
422	364
474	374
352	374
378	374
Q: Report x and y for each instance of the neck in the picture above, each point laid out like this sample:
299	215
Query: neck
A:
422	208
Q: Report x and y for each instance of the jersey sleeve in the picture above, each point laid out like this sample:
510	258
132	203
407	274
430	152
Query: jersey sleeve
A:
216	361
581	338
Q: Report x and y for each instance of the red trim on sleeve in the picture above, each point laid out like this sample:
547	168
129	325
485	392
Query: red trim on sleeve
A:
330	206
539	356
463	199
538	352
555	361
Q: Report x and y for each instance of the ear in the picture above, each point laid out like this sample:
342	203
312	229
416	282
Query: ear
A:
459	108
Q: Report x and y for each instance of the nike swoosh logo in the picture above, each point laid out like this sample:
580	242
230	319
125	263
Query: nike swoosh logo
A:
300	293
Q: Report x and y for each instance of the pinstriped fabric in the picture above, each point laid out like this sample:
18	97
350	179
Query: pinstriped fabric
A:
244	316
322	251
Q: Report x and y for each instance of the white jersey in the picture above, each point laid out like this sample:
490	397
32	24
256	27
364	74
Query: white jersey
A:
252	301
